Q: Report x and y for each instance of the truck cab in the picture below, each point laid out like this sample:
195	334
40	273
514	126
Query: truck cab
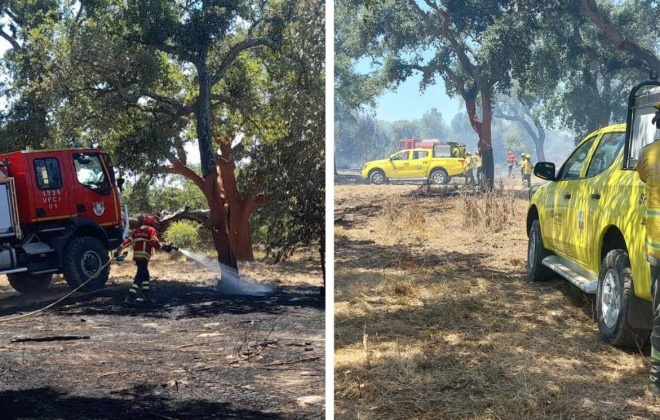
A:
60	212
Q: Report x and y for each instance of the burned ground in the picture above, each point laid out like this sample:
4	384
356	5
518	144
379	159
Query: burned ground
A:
193	354
433	318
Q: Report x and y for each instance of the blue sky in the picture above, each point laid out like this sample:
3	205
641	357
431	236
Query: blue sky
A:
408	103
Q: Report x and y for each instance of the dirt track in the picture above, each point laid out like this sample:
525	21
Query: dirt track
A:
186	357
434	320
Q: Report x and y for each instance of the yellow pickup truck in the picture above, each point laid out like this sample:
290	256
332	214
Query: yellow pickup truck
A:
587	223
414	164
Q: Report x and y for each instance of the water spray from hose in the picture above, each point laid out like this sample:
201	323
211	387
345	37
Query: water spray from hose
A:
230	283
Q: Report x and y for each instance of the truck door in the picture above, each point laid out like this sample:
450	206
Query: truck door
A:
564	198
599	189
95	197
47	183
399	163
419	164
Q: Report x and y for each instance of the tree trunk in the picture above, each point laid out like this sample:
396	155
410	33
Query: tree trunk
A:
218	219
240	235
240	209
483	130
212	180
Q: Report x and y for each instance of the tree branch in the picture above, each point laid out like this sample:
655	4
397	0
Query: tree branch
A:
173	102
236	50
178	168
10	39
590	9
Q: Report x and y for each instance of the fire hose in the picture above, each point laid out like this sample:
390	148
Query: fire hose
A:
83	284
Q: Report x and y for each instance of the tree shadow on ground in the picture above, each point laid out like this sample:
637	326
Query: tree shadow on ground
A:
172	299
139	402
465	352
349	179
439	381
351	254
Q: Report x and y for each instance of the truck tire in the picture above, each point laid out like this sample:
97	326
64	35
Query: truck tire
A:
377	177
82	258
613	299
27	284
536	252
439	177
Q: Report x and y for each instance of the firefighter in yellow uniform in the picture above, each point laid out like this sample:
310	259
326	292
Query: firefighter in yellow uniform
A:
526	169
467	169
648	167
477	158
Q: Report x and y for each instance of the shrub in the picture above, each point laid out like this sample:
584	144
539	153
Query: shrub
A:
184	234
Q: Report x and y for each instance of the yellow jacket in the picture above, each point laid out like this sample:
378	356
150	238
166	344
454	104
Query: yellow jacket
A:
467	163
478	159
526	167
648	168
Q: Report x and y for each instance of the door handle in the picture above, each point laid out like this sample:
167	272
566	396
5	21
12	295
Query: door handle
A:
567	196
405	164
595	196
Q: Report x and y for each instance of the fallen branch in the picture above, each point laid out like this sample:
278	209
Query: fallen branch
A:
290	362
53	338
199	343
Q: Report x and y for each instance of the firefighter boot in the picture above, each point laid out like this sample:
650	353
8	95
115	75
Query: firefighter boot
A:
132	295
130	299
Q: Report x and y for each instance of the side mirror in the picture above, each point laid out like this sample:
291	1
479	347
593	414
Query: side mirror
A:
120	183
545	170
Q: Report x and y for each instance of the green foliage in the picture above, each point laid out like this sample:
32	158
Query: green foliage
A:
172	193
565	69
291	170
132	75
183	234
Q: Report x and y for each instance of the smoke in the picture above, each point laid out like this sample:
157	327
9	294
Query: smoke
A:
229	283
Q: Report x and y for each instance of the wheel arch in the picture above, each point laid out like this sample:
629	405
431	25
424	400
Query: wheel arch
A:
376	169
612	239
80	227
532	214
640	311
438	168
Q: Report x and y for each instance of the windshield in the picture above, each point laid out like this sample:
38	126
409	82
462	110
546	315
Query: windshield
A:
90	173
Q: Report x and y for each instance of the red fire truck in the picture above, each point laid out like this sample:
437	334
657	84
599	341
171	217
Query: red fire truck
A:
444	149
417	144
60	212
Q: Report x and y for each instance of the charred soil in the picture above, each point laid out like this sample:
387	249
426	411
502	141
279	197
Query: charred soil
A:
192	354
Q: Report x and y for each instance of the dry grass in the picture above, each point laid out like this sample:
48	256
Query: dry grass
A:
495	211
434	320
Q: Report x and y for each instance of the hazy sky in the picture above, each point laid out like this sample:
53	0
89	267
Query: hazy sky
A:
408	103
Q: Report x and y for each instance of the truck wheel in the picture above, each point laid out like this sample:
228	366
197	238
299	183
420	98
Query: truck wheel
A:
377	177
536	252
83	257
439	176
613	301
27	284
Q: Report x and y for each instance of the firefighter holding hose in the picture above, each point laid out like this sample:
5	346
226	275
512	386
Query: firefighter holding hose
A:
145	241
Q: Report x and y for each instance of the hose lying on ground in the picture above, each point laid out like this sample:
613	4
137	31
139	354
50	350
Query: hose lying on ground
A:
13	318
